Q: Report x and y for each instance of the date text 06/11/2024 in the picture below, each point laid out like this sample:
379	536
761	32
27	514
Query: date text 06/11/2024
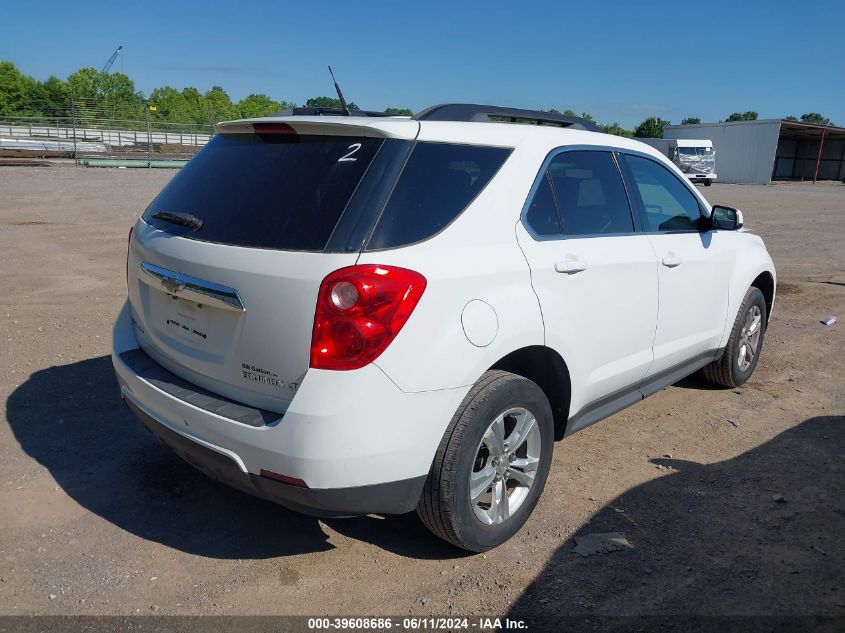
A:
416	624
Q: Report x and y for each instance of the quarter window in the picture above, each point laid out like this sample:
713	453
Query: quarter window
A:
437	184
586	190
668	204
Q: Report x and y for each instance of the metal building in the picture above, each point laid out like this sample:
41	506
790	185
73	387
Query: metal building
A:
771	149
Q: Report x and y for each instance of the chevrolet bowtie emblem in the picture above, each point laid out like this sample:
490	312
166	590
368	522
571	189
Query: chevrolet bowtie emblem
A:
172	284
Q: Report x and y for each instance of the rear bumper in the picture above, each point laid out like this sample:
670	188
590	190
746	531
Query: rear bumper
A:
396	497
359	443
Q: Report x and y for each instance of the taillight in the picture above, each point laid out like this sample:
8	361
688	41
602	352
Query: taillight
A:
128	246
360	310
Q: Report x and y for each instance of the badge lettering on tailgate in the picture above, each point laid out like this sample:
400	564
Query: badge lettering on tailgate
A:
265	377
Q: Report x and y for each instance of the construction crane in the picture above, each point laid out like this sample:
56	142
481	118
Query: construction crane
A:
113	57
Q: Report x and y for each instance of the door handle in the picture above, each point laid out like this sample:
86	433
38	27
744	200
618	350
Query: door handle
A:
670	260
571	265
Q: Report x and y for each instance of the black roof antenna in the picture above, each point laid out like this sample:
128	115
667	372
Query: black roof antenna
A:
343	105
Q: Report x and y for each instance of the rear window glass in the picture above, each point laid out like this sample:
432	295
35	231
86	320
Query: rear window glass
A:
438	182
280	191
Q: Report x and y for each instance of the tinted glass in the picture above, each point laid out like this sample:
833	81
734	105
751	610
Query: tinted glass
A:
542	214
669	205
281	191
590	194
438	182
363	209
695	151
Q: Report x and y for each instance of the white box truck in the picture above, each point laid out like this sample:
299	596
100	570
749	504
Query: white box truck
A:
695	158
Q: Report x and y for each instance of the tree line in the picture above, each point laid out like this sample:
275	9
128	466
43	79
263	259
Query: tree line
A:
90	93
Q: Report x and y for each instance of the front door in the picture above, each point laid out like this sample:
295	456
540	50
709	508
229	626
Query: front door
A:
693	267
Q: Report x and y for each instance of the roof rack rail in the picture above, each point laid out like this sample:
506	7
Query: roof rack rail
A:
489	113
321	111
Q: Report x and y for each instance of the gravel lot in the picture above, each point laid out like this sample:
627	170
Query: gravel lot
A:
731	499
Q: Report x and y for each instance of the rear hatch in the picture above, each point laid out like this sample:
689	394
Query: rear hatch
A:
225	264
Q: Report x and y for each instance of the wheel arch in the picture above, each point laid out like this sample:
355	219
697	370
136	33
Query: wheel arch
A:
765	283
549	371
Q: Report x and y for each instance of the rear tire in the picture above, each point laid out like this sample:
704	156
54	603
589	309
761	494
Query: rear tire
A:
503	432
745	344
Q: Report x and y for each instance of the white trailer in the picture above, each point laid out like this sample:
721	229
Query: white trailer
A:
696	158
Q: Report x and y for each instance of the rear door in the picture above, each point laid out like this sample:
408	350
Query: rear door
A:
694	265
226	262
596	279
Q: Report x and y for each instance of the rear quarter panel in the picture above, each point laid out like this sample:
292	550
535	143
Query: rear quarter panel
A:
476	257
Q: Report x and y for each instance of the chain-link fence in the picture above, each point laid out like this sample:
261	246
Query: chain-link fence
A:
97	134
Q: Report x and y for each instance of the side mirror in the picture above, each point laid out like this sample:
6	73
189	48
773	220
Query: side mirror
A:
726	218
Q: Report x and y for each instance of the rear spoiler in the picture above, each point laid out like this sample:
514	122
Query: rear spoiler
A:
381	127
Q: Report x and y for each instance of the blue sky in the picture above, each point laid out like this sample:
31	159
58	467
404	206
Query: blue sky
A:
620	61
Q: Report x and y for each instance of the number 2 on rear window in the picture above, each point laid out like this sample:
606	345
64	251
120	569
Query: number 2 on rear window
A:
348	156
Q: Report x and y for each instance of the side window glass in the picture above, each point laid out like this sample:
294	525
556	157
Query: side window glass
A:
542	214
581	194
669	205
590	194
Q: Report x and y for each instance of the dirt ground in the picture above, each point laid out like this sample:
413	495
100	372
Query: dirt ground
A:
732	500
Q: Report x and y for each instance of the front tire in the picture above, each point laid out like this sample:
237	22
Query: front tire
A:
491	465
745	344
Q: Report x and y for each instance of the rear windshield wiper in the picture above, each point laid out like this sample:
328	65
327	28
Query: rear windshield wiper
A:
185	219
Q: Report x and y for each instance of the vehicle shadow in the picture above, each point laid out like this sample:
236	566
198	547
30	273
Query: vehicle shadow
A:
697	382
70	419
762	533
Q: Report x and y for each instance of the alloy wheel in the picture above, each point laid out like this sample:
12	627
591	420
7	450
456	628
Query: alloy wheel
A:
505	465
749	338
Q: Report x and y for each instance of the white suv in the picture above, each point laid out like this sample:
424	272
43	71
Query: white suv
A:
357	314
